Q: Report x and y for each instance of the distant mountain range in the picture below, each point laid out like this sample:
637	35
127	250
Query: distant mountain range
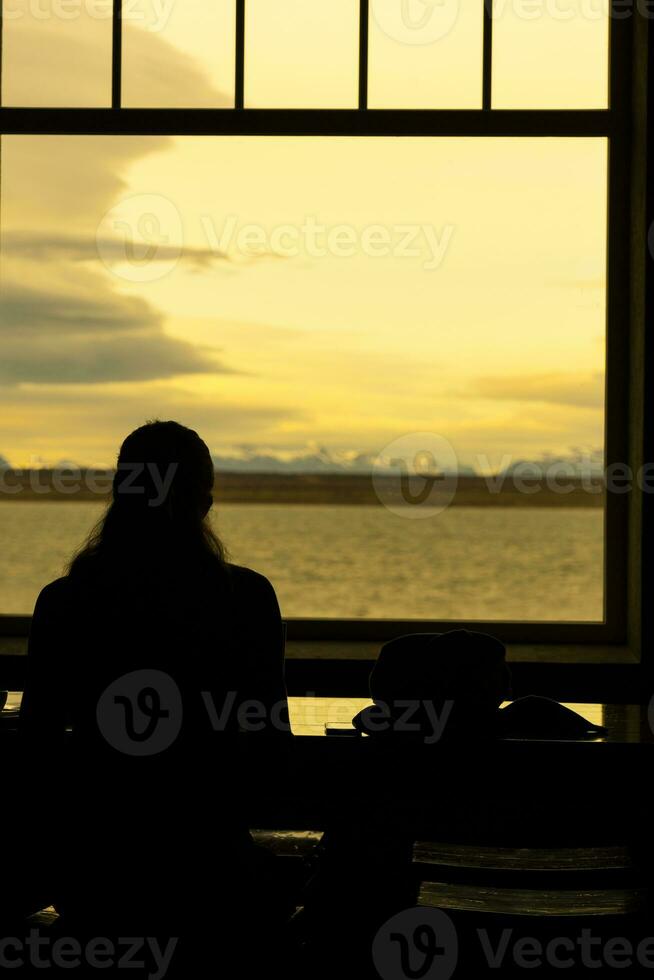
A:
322	461
319	462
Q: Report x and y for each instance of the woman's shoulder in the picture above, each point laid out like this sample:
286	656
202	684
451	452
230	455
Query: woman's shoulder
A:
60	588
55	596
247	576
247	579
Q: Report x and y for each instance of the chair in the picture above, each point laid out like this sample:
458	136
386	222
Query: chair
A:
539	893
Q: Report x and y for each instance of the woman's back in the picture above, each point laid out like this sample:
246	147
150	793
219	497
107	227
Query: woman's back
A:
217	635
147	652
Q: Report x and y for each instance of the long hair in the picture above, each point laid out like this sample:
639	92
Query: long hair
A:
158	517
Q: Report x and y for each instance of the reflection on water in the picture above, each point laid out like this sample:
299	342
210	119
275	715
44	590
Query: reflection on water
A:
357	562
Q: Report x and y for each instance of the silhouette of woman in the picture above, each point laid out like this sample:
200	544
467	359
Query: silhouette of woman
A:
152	649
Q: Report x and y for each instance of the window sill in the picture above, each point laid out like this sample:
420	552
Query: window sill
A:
332	668
528	653
540	653
600	673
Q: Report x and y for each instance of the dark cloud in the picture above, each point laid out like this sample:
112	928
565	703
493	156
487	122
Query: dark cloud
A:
80	248
89	360
41	310
88	334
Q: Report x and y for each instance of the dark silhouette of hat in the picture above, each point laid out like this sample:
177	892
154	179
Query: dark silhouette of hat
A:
462	677
463	667
543	718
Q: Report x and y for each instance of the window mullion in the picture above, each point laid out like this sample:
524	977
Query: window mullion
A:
487	69
239	79
117	55
364	14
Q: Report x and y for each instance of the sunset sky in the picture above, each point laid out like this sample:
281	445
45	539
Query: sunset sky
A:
457	285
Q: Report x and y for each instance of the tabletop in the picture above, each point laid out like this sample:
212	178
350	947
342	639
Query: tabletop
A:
625	723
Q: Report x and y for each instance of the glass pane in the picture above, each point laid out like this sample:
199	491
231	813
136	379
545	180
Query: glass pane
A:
302	54
56	53
179	54
334	310
550	55
425	55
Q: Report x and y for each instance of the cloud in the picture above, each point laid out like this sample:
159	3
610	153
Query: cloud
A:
52	61
63	328
74	311
86	360
84	177
91	422
87	333
157	74
62	319
80	248
581	390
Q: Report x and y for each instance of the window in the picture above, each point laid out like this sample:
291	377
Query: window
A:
364	253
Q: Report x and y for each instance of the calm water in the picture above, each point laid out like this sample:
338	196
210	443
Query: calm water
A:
341	561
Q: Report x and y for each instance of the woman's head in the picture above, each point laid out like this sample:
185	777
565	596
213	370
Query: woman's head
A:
162	494
164	465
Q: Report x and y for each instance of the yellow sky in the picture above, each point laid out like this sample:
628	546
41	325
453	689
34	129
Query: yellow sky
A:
303	53
490	331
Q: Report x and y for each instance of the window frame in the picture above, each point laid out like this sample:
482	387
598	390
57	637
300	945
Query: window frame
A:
625	125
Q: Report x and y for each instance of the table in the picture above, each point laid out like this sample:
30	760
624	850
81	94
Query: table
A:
626	723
